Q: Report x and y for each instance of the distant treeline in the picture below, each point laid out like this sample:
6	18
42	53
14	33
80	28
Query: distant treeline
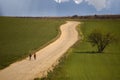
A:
97	17
74	17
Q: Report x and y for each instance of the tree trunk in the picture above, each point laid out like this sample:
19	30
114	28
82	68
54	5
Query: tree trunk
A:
100	49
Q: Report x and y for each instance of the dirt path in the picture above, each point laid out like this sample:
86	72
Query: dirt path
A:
46	57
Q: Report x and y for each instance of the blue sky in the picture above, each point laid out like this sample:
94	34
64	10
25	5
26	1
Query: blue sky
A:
58	7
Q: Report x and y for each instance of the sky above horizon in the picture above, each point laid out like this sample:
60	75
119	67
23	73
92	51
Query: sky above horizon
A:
58	7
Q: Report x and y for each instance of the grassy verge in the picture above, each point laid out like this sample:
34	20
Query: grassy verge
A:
83	64
21	36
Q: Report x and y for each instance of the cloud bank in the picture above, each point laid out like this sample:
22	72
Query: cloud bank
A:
98	4
60	1
78	1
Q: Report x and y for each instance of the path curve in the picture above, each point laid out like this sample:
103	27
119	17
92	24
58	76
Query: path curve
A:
46	57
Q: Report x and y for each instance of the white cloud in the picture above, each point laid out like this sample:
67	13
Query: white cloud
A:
78	1
60	1
98	4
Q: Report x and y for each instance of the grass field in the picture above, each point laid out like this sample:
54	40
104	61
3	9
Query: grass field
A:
21	36
82	64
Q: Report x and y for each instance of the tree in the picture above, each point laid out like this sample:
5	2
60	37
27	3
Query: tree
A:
97	38
75	16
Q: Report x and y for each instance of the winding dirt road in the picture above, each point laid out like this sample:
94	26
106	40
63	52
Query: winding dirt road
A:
46	57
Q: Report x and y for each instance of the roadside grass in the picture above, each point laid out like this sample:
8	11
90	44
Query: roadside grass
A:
21	36
83	63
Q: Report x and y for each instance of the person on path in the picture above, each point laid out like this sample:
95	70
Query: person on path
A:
34	56
30	55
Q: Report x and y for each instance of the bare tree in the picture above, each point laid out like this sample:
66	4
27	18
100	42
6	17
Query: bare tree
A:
97	38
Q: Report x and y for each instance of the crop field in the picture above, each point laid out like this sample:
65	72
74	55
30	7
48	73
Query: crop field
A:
83	63
21	36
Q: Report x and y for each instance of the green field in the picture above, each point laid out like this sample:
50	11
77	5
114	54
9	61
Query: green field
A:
21	36
83	63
